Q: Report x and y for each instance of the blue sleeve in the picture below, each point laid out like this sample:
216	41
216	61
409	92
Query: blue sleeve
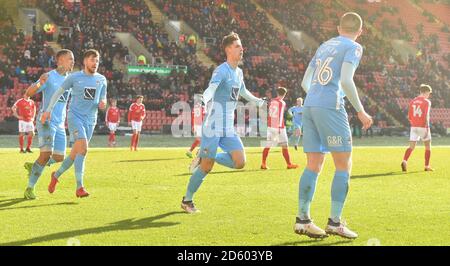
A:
290	110
312	63
66	86
215	81
217	77
103	92
353	55
43	86
348	86
68	83
308	77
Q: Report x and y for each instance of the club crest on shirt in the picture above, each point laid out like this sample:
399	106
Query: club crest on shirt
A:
358	52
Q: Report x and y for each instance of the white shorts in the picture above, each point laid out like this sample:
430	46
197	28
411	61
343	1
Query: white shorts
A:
112	126
136	126
420	133
276	136
26	126
198	131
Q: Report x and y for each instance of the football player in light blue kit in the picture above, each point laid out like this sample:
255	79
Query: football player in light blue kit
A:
88	94
328	78
52	134
297	112
221	96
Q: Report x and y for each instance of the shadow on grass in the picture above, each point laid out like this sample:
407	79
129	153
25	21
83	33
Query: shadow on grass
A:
150	160
234	172
37	206
313	242
383	174
10	202
123	225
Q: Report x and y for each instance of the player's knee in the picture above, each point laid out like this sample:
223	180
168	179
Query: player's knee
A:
239	164
206	165
82	150
316	169
315	166
206	168
43	158
58	158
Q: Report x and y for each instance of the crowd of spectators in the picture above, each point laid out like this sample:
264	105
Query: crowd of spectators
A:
382	74
81	29
269	58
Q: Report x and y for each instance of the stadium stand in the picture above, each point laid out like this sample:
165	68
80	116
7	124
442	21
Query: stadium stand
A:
270	60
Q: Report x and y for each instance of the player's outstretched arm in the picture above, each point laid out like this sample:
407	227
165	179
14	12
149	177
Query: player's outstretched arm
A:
349	88
214	83
36	86
103	99
307	78
208	94
47	114
246	94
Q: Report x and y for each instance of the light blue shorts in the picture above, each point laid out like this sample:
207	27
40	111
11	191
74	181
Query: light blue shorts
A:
79	128
51	137
209	145
326	130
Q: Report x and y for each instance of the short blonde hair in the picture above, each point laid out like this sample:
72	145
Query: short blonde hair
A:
424	88
281	91
351	22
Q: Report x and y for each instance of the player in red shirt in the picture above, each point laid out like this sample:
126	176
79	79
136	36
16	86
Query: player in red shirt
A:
25	110
112	120
276	130
136	114
198	114
419	118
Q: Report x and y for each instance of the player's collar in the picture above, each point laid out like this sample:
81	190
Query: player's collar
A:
65	75
230	67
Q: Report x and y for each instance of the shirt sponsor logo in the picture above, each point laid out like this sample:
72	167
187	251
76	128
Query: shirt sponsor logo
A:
89	93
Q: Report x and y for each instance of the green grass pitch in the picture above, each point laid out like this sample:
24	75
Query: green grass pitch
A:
135	199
